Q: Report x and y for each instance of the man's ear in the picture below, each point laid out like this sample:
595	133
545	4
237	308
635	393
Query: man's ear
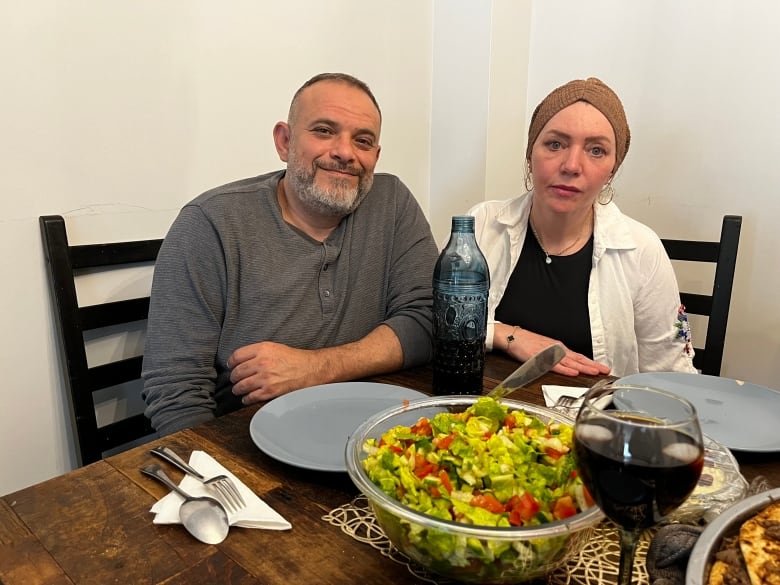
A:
282	139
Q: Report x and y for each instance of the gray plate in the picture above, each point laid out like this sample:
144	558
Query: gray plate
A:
309	428
740	415
702	554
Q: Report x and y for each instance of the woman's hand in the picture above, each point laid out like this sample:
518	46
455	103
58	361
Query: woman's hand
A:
527	343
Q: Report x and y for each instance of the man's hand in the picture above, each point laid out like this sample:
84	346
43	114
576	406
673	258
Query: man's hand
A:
265	370
527	343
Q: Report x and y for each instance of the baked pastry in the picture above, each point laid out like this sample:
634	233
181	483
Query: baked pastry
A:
759	541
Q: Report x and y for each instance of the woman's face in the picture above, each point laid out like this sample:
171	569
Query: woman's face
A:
572	158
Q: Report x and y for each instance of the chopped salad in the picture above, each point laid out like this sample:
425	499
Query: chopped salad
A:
485	466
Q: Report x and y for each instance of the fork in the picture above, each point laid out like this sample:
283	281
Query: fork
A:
222	484
565	402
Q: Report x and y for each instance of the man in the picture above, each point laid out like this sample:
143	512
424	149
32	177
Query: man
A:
320	273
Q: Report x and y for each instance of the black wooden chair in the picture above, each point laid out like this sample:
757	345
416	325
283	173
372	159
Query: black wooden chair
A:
64	263
715	306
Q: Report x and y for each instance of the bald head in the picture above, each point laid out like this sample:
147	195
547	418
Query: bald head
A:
335	78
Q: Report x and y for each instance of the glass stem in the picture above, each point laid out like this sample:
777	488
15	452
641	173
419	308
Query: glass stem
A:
628	542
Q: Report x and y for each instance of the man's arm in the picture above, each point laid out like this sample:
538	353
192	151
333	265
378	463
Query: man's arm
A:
262	371
183	328
411	263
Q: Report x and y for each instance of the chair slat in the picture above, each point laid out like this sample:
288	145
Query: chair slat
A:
114	313
114	373
692	251
99	255
123	431
696	304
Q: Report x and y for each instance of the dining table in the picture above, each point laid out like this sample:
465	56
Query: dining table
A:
94	525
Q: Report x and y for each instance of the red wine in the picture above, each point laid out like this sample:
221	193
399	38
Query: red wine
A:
637	479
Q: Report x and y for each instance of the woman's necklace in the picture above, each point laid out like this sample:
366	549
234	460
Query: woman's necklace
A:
547	258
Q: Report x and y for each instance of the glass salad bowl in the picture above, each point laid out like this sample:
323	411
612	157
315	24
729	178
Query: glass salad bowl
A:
446	540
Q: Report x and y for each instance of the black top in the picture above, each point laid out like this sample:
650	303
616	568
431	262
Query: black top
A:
550	299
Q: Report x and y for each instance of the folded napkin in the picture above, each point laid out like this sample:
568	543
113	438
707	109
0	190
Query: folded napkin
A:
553	393
256	513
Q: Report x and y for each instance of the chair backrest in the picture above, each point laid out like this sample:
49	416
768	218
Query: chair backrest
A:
715	306
65	263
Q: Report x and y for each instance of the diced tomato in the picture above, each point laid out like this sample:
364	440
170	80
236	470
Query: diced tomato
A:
435	492
573	474
445	481
564	508
444	443
521	508
510	422
422	467
422	427
554	453
488	502
396	449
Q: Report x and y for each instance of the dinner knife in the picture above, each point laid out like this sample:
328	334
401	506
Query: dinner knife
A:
537	365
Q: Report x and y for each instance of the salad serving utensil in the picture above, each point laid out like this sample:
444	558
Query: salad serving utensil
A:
203	517
222	484
537	365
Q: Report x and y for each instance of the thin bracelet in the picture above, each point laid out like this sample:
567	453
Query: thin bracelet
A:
511	337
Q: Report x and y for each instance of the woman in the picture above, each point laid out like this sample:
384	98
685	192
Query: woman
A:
566	265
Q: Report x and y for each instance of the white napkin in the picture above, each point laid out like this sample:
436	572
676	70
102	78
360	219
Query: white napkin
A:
256	513
553	393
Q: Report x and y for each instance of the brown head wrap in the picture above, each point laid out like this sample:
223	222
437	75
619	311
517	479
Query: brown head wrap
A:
596	93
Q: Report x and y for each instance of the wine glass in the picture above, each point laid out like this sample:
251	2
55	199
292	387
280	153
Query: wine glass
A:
640	452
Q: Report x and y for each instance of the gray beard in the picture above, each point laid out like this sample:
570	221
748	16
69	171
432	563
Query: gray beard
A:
339	200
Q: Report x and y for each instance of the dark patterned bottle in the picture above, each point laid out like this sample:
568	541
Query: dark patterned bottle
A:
460	289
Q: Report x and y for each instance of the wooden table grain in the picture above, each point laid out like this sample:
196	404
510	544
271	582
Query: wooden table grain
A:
93	525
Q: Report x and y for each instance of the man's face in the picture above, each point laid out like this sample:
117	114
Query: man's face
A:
331	147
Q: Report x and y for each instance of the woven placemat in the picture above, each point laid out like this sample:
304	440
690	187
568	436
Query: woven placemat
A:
596	563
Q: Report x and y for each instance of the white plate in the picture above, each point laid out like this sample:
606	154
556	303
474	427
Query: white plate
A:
309	428
740	415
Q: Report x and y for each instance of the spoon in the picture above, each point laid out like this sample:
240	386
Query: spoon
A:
203	517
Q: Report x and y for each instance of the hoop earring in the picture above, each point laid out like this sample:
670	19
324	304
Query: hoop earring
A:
529	184
607	191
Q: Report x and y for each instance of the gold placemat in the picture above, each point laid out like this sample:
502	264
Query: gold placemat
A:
596	563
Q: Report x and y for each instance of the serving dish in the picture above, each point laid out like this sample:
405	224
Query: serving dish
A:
488	555
728	523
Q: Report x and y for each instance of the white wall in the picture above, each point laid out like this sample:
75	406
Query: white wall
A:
480	57
700	85
114	114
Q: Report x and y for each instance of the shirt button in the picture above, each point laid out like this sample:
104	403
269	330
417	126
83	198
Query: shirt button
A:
326	293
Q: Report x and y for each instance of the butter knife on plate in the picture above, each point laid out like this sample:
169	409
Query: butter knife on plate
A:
537	365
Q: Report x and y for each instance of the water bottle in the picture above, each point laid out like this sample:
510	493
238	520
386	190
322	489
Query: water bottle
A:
460	290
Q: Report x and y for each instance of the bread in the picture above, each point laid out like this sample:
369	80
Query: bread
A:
760	546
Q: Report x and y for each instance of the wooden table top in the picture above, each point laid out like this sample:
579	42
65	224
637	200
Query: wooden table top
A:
93	525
